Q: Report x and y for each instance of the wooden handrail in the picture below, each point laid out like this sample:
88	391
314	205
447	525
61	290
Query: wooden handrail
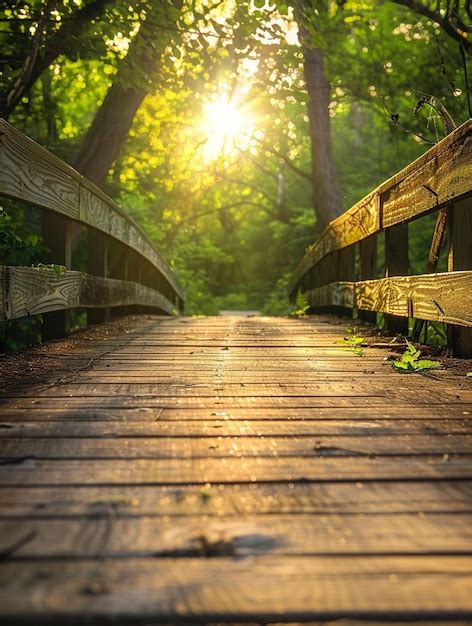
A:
31	174
439	179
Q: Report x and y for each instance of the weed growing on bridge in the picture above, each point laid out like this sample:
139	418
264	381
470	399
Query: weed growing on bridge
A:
302	305
55	267
410	361
352	342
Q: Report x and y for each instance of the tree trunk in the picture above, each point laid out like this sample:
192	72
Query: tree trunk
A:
327	199
113	120
108	132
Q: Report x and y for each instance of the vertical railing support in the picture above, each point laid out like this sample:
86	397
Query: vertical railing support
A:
397	264
97	266
368	271
460	258
56	231
344	271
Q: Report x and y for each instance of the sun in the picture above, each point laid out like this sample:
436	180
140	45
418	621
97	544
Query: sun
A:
227	125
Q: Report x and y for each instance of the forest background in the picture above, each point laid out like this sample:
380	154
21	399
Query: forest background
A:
202	120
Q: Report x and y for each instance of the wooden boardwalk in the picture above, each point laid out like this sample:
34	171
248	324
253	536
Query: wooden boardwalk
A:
231	469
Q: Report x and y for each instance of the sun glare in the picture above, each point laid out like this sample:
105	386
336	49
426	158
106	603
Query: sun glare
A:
227	126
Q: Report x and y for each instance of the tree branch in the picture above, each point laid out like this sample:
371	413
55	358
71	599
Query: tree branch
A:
445	21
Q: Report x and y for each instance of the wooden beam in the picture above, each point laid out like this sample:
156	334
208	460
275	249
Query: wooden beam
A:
368	271
445	297
97	261
56	233
460	258
32	291
396	264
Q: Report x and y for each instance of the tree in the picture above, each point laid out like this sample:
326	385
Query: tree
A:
47	44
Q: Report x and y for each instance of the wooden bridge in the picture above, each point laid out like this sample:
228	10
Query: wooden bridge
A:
159	469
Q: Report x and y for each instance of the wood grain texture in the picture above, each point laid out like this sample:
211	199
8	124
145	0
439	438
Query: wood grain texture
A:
31	174
443	297
232	470
33	291
441	175
95	536
225	589
418	498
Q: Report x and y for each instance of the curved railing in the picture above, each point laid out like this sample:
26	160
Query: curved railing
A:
340	269
124	267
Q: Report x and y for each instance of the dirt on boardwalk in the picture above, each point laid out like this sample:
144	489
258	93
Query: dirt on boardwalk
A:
54	357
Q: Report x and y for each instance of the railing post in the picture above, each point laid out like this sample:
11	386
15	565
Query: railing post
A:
368	270
460	258
97	258
118	269
344	271
397	264
56	231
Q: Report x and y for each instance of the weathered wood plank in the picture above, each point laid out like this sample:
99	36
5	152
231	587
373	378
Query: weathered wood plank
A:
31	471
443	297
32	291
225	589
218	499
218	426
280	534
226	446
460	258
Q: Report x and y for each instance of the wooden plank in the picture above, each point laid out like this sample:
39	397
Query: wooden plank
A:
460	258
218	499
281	534
56	231
228	446
431	182
264	389
397	264
368	271
32	291
97	265
31	471
114	428
445	297
227	589
31	174
340	294
41	410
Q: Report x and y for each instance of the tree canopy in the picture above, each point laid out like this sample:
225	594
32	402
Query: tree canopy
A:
216	123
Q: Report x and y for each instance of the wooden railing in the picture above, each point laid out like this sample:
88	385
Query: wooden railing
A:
339	271
124	267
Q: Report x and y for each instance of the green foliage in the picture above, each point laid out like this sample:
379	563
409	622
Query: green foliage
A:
55	267
410	361
352	342
18	244
302	305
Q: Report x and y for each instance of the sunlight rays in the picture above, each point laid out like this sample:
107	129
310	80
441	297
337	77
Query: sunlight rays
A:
227	125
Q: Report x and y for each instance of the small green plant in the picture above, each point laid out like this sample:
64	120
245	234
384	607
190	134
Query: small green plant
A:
55	267
410	361
469	374
352	342
302	305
